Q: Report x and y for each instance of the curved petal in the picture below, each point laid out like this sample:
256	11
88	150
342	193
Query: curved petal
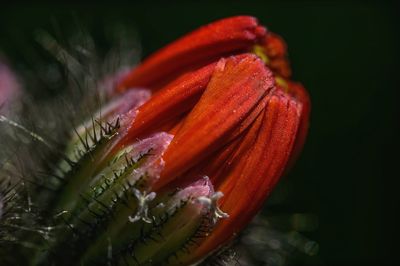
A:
172	101
237	86
276	51
274	45
256	171
200	47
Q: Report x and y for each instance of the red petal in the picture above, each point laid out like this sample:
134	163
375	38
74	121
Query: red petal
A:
281	66
221	161
255	172
171	102
237	86
274	45
205	45
276	50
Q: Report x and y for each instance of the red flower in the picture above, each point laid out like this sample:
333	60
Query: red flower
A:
224	92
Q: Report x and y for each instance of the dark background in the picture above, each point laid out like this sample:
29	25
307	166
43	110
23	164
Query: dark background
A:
347	56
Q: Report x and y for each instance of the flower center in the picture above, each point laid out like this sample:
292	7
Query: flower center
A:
260	52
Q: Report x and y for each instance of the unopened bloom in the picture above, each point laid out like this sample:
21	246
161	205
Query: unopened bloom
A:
182	158
224	92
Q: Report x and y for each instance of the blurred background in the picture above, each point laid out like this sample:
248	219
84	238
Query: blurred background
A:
344	186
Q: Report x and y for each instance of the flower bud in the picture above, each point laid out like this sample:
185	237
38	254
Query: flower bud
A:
237	119
170	174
